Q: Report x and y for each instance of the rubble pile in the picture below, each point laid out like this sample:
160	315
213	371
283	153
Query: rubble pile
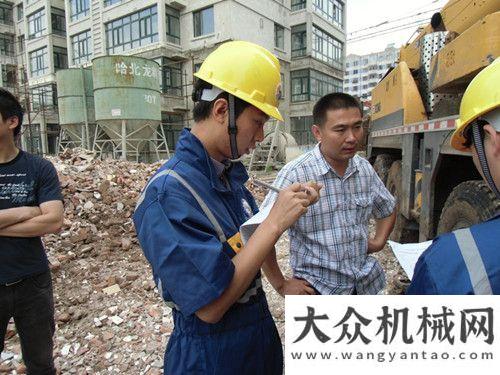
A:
110	319
109	316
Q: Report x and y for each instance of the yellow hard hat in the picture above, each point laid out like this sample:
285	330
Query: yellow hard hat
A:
247	71
481	96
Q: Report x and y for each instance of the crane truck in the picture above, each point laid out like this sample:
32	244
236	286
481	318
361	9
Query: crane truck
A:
414	110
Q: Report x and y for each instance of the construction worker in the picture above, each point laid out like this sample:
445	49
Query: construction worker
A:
188	219
30	207
467	261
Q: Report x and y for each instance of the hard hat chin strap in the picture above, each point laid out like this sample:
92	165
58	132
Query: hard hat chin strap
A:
479	144
232	129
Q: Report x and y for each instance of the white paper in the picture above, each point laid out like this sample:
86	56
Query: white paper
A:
249	226
407	254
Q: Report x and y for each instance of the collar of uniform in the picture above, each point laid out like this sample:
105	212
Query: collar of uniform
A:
219	166
191	150
325	167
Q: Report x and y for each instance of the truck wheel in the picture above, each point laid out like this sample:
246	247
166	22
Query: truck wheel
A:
382	165
401	232
469	203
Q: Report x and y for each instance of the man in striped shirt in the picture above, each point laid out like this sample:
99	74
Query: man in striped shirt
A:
330	245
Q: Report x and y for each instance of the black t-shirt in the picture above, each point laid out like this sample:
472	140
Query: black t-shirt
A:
27	180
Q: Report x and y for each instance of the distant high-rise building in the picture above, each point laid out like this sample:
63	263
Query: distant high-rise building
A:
363	72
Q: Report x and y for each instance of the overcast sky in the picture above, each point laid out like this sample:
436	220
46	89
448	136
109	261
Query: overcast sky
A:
362	14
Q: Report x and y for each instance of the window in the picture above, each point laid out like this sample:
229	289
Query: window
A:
203	21
132	31
322	84
58	21
196	67
6	45
38	62
298	4
172	126
171	77
43	96
300	85
8	75
279	36
20	43
37	24
20	12
35	144
300	128
81	46
299	40
173	25
60	58
111	2
79	9
283	85
309	84
331	10
6	13
326	48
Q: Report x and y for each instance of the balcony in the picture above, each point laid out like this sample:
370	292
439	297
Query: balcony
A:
177	4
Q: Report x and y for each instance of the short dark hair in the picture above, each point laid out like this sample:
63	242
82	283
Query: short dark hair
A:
333	101
202	108
10	107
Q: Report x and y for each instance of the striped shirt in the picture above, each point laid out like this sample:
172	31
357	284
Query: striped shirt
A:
328	245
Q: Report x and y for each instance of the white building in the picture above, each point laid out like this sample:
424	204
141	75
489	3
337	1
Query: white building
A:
307	36
363	72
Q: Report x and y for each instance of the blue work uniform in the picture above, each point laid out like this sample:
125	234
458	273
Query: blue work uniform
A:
466	261
185	220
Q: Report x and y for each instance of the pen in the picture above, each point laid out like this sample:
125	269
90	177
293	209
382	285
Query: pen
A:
265	185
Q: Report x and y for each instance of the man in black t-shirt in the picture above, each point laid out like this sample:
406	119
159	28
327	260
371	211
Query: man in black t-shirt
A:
30	207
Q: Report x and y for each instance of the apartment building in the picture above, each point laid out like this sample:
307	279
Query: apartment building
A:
307	36
32	49
363	72
318	37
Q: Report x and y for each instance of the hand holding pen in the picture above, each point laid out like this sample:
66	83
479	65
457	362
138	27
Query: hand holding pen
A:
311	188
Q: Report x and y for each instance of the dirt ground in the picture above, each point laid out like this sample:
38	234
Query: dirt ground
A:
110	318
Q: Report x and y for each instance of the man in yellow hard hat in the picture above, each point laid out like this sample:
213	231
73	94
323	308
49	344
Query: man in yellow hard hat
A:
188	219
467	261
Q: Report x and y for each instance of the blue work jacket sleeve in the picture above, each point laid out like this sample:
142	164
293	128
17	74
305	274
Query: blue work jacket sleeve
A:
186	255
422	281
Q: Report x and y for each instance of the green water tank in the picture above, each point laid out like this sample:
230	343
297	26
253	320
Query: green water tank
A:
126	87
72	84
